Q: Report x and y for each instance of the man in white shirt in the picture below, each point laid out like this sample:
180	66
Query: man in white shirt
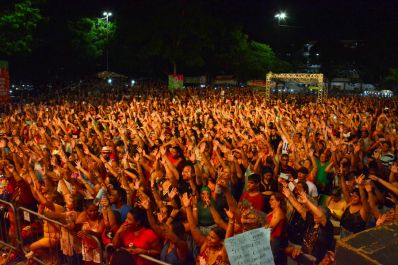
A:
302	175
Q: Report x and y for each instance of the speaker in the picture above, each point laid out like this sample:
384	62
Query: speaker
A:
373	246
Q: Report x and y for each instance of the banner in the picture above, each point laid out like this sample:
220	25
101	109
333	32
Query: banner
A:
256	83
225	80
251	247
197	80
176	82
4	82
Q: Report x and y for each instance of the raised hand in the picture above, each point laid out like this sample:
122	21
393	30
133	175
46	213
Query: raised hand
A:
392	199
303	197
360	179
286	191
145	202
185	200
78	164
369	187
394	169
373	177
173	193
229	213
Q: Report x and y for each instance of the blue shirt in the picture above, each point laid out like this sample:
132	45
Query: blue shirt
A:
123	212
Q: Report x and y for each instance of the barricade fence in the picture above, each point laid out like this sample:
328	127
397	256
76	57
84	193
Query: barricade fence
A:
9	241
48	241
109	250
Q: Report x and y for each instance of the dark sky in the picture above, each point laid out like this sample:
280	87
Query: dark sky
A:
307	19
342	19
325	21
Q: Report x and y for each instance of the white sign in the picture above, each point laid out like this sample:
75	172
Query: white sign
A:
250	248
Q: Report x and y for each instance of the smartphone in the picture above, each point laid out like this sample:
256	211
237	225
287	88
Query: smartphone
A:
284	176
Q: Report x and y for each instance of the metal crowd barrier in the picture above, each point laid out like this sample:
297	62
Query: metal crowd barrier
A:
7	223
54	253
28	228
149	258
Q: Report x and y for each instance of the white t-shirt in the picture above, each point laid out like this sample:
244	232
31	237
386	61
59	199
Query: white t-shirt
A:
312	190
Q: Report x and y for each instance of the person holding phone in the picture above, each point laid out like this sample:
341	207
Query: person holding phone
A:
135	235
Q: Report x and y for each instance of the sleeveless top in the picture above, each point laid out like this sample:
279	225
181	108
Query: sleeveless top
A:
171	257
205	259
352	221
278	231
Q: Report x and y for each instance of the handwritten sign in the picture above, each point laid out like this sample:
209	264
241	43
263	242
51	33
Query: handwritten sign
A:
252	247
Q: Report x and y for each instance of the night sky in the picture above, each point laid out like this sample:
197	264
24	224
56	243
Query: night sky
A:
374	23
310	19
314	19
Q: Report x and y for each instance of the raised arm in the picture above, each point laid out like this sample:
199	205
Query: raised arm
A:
298	206
199	238
315	210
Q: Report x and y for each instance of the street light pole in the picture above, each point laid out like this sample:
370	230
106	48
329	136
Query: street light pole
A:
280	16
106	16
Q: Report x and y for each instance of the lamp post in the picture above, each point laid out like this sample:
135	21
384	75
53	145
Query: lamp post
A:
280	16
106	17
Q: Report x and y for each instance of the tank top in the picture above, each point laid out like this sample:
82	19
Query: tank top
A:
277	232
169	257
352	221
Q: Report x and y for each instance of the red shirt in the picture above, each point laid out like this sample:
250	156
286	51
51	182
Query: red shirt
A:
143	238
257	201
277	232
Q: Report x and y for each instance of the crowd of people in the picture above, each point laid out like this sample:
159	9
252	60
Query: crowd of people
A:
173	177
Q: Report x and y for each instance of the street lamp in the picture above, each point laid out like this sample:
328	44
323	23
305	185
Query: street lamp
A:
106	17
280	16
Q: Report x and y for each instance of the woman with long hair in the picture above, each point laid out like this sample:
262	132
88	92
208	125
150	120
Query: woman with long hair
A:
92	224
277	222
212	249
175	247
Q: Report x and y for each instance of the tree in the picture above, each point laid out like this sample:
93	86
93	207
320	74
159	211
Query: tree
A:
177	34
391	79
92	35
17	28
244	58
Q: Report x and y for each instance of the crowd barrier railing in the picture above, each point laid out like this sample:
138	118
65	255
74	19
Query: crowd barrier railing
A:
21	227
60	245
8	229
30	229
109	248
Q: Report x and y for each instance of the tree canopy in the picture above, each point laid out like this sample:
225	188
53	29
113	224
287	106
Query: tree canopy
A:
17	28
92	35
144	38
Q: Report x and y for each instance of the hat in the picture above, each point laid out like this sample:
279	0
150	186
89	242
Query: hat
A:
106	149
303	170
205	188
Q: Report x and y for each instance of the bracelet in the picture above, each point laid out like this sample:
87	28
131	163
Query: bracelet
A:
231	222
